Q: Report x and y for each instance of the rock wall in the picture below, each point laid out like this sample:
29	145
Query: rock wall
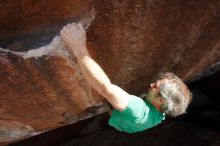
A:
133	41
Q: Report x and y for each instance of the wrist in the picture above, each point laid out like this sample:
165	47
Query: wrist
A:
81	52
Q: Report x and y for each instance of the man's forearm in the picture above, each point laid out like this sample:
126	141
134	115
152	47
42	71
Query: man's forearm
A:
94	74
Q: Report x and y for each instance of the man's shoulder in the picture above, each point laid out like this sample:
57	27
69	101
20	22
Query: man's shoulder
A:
136	109
134	118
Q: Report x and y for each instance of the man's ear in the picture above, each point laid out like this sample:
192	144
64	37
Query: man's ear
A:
161	100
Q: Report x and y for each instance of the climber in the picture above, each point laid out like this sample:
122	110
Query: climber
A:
167	96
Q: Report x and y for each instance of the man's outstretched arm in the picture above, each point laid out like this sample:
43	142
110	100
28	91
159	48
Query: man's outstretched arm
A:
75	37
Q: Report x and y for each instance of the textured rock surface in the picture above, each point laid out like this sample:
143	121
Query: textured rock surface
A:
43	92
132	40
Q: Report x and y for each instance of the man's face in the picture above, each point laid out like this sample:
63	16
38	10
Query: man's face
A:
154	96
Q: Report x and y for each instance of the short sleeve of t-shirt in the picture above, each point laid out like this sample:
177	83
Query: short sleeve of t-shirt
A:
137	116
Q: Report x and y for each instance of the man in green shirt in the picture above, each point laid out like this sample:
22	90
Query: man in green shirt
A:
168	95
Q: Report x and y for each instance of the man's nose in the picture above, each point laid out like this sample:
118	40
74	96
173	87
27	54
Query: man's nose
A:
153	85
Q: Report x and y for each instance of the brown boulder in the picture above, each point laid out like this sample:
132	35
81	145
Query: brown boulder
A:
133	41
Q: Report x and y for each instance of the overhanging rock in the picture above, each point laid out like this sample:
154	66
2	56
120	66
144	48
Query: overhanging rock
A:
133	41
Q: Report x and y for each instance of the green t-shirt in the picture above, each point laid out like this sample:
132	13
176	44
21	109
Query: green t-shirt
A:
139	115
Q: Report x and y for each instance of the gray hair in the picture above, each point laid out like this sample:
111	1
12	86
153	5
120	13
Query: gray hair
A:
176	94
